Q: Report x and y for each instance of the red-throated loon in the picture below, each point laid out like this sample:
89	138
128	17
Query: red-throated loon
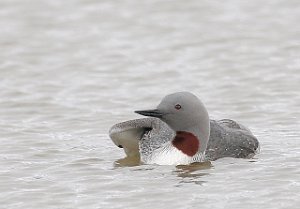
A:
179	131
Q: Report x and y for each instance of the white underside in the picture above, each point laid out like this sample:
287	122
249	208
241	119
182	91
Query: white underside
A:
170	155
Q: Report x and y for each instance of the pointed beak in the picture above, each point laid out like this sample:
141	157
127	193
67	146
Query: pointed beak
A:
151	113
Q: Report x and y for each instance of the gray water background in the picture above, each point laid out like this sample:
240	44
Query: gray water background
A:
69	70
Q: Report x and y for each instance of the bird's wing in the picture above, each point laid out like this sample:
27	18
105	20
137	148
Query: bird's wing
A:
230	139
127	134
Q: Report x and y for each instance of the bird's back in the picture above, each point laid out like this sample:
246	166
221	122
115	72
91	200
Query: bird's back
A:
230	139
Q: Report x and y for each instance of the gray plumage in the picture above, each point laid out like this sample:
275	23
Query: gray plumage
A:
151	136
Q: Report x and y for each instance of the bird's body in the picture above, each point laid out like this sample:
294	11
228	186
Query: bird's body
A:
183	135
150	138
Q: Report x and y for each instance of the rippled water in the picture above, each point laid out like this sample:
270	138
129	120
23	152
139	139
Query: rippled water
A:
69	70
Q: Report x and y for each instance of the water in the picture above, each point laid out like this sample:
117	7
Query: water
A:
69	70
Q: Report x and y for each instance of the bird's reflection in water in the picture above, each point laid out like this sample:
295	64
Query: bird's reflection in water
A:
128	162
188	173
192	173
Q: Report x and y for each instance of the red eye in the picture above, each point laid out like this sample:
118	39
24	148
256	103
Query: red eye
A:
178	107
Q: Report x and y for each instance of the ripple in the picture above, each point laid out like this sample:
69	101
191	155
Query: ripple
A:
69	72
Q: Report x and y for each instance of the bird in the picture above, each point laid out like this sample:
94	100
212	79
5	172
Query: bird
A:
179	131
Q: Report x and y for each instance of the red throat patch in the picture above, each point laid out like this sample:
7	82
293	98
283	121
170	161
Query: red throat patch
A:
186	142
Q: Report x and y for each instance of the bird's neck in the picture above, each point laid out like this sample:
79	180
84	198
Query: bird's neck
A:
186	142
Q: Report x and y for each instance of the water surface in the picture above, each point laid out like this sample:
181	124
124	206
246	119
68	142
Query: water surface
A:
69	70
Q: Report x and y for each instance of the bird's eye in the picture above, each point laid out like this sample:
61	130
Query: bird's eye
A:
178	107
